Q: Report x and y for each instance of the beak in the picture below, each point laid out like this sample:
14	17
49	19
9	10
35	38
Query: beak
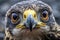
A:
30	20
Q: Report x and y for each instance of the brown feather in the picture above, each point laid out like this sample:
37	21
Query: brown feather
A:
36	34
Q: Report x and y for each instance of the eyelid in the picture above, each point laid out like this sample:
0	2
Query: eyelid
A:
17	12
45	11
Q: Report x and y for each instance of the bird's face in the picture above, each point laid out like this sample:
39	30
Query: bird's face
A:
29	16
30	20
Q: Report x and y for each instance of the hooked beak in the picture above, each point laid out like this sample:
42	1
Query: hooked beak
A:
30	20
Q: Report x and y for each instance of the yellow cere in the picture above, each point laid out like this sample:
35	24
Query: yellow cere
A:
29	11
20	26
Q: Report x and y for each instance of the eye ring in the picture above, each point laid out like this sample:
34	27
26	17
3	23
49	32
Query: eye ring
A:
14	17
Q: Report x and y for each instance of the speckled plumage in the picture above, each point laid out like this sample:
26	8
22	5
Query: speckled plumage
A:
26	34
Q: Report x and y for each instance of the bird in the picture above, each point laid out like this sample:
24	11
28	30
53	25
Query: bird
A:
31	20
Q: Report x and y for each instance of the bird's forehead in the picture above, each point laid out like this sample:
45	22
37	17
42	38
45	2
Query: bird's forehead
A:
24	5
36	5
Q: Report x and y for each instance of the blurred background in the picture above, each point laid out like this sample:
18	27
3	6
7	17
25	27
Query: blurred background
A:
6	4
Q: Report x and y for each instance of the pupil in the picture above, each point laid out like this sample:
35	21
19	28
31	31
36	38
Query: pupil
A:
44	14
14	16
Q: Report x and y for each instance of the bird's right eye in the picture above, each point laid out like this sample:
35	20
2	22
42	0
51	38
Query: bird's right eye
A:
45	15
14	17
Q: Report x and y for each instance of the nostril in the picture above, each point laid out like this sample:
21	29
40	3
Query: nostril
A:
24	16
35	15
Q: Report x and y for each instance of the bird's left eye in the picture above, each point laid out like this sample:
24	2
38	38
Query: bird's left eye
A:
45	15
14	17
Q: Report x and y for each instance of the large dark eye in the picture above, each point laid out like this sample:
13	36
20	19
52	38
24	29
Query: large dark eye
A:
45	15
14	17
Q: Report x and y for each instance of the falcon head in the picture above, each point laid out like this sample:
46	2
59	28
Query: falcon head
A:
28	17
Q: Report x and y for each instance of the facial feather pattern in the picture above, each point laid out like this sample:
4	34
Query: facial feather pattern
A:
30	20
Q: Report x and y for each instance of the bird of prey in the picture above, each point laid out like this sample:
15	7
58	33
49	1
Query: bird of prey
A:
30	20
